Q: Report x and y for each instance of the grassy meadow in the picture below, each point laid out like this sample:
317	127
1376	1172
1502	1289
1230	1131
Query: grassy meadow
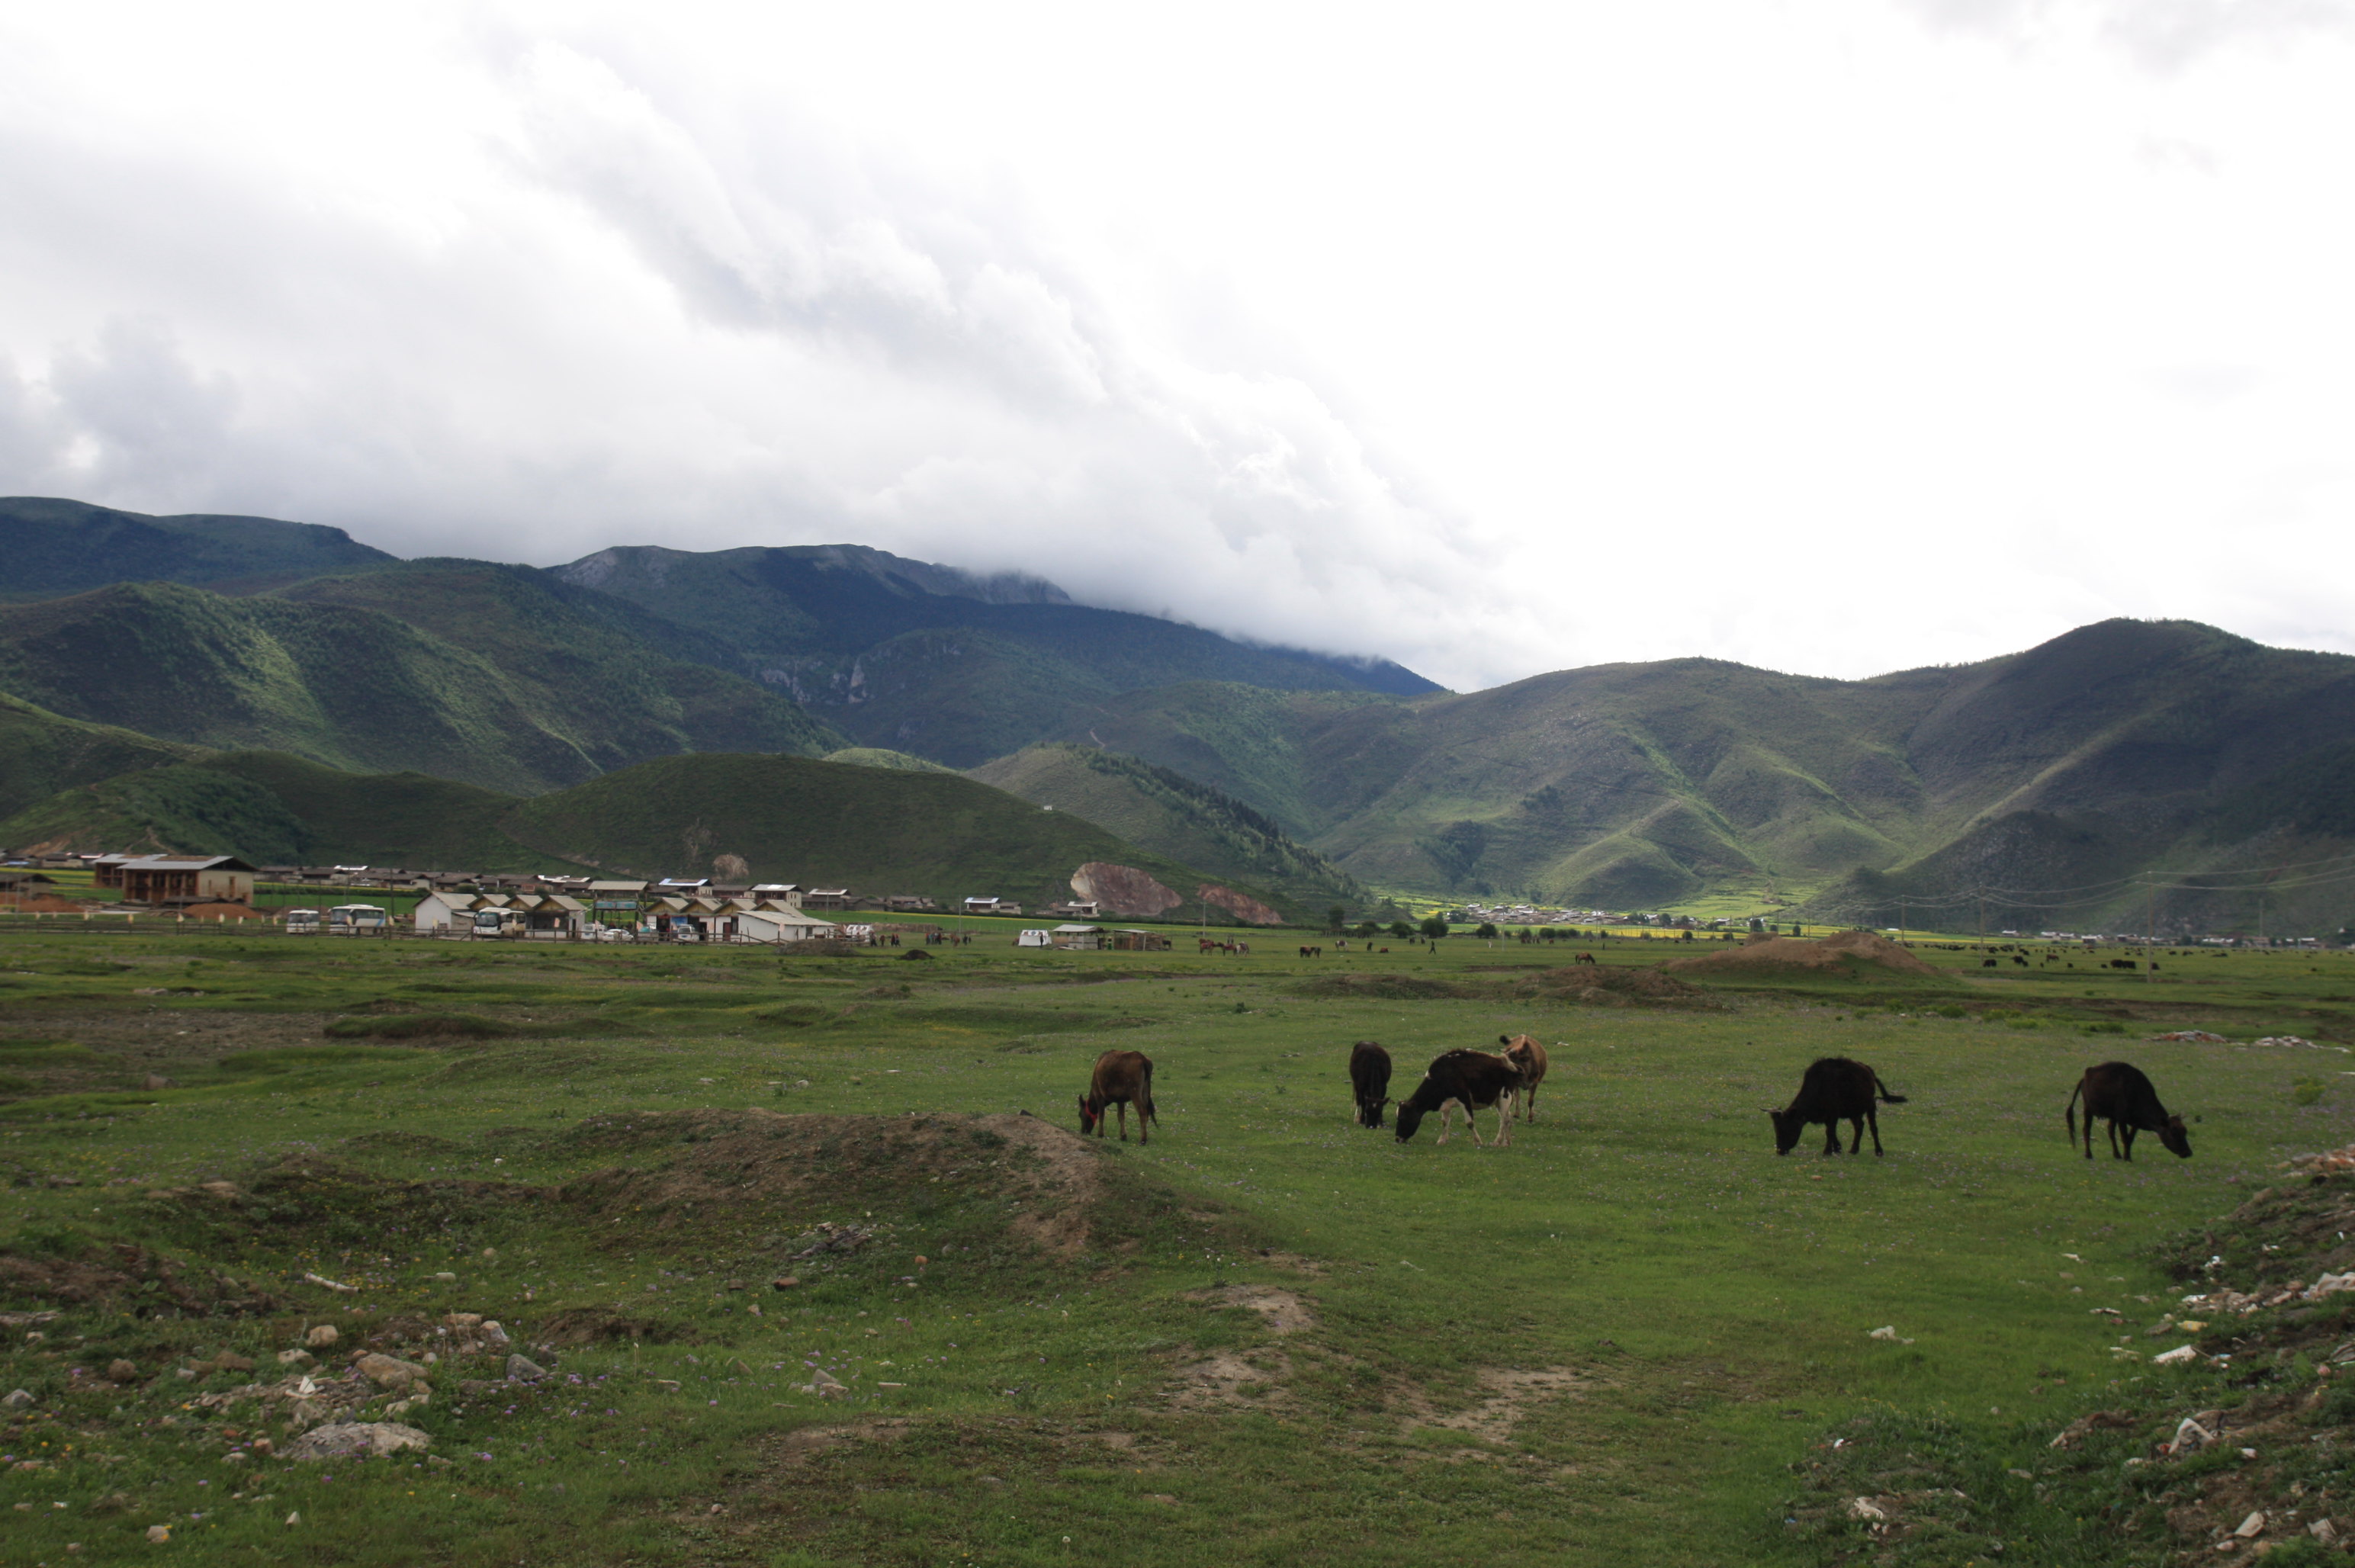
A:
1268	1336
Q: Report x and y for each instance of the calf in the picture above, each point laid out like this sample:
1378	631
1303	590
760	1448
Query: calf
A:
1835	1090
1123	1078
1369	1080
2121	1095
1472	1079
1529	1058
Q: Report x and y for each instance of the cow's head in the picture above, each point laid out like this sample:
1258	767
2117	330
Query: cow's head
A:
1788	1125
1088	1116
2172	1138
1410	1117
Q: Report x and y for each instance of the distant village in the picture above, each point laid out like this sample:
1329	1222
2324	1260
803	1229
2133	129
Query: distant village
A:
221	888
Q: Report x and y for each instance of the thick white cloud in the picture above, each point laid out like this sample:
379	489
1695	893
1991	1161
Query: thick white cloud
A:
1834	337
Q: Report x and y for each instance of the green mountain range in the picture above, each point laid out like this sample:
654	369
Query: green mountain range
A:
921	658
55	547
2050	780
521	695
2109	752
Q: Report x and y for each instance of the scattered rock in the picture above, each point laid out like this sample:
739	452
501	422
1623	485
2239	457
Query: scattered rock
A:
2323	1530
1867	1511
121	1372
297	1358
388	1371
823	1384
16	1399
324	1335
217	1189
2179	1356
523	1369
446	1277
156	1080
785	1283
159	1533
352	1439
294	1518
230	1361
2251	1527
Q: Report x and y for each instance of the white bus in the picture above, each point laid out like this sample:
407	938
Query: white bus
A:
351	920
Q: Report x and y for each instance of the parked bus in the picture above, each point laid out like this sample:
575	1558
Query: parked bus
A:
500	923
302	921
353	919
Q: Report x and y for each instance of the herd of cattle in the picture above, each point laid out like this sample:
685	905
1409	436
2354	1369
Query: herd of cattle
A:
1834	1089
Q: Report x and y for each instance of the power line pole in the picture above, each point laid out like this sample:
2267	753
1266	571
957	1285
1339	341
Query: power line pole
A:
1982	920
2150	925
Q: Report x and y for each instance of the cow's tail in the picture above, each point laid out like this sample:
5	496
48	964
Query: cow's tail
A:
1883	1090
2069	1116
1145	1112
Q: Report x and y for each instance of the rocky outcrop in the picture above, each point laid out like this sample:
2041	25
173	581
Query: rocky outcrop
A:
1123	891
1247	909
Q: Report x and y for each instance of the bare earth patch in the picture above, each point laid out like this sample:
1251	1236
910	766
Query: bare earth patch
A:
1226	1380
1511	1392
1281	1310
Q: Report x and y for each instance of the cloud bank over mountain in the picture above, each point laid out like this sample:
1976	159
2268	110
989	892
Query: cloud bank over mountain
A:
1852	337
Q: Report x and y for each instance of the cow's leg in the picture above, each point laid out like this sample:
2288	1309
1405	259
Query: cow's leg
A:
1504	1123
2129	1134
1446	1111
1831	1134
2112	1128
1873	1120
1124	1120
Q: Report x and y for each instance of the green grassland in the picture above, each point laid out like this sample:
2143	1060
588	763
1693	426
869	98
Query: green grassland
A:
1268	1334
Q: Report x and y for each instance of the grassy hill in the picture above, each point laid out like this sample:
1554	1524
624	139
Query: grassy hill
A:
360	688
1172	815
877	830
50	546
42	753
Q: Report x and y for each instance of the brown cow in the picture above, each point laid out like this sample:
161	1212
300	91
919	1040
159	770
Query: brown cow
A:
1122	1078
1472	1079
1529	1058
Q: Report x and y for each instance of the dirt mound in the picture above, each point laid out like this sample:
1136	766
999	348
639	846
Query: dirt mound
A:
766	1168
1847	950
1243	906
1383	987
1602	986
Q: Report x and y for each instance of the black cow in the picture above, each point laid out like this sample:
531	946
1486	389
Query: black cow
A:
1835	1090
1472	1079
1122	1078
2122	963
1369	1080
2121	1095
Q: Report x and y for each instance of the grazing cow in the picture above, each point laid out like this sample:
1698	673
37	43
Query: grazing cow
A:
1584	958
2121	1095
1835	1090
1472	1079
1986	963
2122	963
1369	1080
1123	1078
1529	1058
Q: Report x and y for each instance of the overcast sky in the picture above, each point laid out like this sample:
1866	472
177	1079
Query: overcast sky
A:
1831	336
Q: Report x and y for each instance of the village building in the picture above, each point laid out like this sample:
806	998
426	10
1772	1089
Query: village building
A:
167	880
1075	938
827	898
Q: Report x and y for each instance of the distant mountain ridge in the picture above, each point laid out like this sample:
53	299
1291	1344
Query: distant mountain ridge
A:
2113	748
52	547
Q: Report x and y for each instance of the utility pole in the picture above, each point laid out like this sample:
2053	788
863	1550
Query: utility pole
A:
1982	920
2150	925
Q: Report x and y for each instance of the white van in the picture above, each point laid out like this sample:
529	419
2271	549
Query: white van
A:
302	921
